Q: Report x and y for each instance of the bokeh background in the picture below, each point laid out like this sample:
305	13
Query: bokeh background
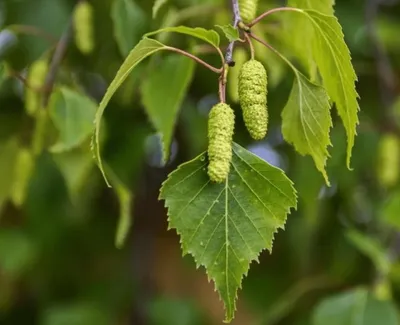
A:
59	263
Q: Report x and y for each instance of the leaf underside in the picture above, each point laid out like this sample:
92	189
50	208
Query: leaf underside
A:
226	226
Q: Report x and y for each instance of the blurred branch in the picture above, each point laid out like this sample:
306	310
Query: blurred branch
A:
32	30
236	20
56	60
288	301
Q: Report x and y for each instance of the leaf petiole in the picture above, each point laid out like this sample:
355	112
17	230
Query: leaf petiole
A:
269	12
195	58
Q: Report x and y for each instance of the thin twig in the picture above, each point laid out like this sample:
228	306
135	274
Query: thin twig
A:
17	75
195	58
56	60
269	12
248	39
34	31
236	20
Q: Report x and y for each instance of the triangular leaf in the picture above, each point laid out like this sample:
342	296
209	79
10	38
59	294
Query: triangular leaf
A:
163	92
356	307
334	63
73	114
226	226
306	121
142	50
129	24
208	35
231	33
157	6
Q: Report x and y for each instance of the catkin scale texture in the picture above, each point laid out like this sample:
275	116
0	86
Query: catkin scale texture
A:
221	123
248	10
253	98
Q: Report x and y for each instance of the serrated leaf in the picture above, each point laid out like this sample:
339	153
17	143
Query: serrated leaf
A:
334	63
129	21
371	248
306	121
231	33
157	6
72	114
163	92
142	50
226	226
208	35
300	31
356	307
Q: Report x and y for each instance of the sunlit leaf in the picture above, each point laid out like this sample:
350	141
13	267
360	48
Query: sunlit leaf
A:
226	226
145	48
73	114
129	21
163	92
306	121
231	33
207	35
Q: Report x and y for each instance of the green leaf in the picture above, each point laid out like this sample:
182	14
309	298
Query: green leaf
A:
129	24
8	157
323	6
334	63
390	211
142	50
163	92
371	248
306	121
356	307
72	114
226	226
208	35
157	6
231	33
125	198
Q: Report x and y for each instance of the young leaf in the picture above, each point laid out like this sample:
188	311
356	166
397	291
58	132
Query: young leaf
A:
208	35
334	63
356	307
306	121
142	50
72	114
231	33
323	6
226	226
129	24
171	80
157	6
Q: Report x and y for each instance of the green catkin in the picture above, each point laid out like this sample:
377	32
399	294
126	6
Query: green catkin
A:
240	56
221	123
83	26
248	10
253	98
35	79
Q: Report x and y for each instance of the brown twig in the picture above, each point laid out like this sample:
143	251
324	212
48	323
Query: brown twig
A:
195	58
236	20
56	60
248	39
269	12
34	31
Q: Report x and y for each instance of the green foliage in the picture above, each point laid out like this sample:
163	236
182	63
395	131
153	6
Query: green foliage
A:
171	79
157	6
231	33
231	223
356	307
129	24
73	115
306	121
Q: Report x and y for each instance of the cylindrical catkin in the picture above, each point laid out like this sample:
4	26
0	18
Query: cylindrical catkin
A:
248	10
83	26
240	56
35	79
389	160
221	123
253	98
